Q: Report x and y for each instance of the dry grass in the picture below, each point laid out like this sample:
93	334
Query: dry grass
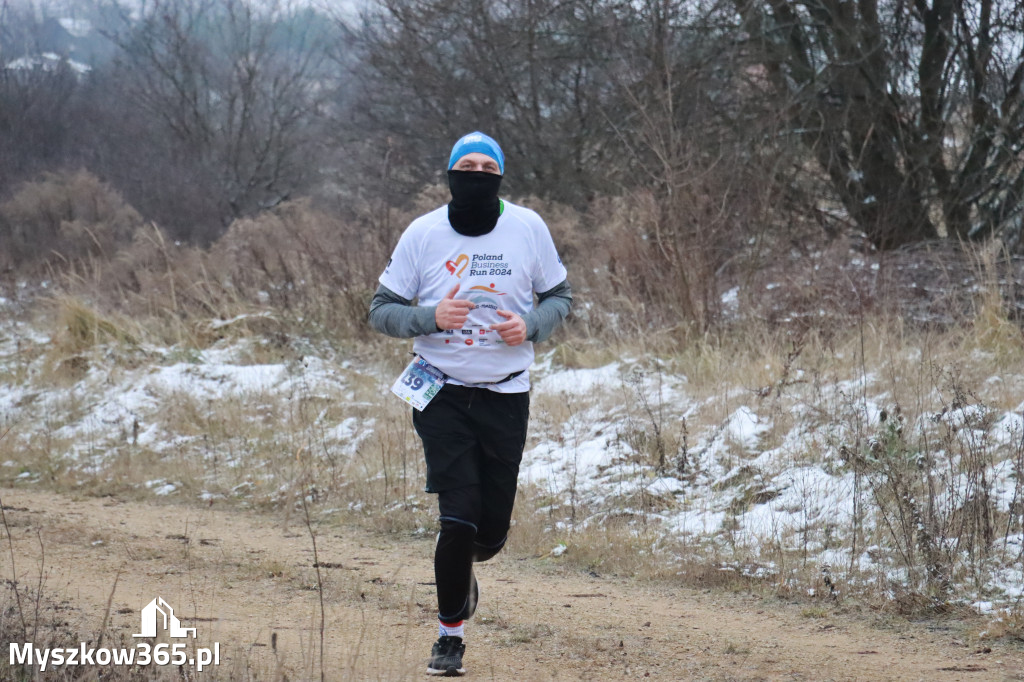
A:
242	447
927	377
63	218
294	283
1005	626
36	616
293	267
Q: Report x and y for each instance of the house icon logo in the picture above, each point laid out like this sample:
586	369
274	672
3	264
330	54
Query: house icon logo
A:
159	611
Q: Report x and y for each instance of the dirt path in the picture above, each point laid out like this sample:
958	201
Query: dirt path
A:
248	582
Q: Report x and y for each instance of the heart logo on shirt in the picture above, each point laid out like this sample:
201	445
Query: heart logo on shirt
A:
453	265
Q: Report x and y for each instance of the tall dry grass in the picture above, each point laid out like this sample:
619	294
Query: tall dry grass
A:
295	282
310	270
649	272
63	218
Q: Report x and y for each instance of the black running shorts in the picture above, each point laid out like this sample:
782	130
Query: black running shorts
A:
473	436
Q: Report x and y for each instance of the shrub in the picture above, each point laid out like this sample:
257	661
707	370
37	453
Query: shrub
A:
64	217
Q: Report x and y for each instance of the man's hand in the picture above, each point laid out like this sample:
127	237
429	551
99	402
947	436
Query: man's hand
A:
452	314
513	330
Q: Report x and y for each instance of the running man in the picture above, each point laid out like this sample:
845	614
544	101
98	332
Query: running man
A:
462	281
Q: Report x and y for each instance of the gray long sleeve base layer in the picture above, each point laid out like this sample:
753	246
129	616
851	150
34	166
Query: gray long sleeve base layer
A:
396	316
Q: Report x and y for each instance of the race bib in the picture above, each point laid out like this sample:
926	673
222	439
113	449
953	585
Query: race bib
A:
419	383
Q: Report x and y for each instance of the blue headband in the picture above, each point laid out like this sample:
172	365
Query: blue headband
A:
477	142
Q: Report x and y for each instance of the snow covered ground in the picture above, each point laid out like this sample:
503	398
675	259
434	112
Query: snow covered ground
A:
804	475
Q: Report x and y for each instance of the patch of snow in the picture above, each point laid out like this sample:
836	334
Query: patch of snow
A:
220	324
745	428
79	28
581	381
983	606
731	298
47	61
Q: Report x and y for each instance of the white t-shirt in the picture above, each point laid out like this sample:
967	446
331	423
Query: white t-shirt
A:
499	270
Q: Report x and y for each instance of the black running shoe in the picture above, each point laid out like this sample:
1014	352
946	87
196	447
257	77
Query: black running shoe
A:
446	657
474	595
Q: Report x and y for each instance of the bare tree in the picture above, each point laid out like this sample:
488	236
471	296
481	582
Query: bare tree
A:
589	98
237	85
693	146
36	119
432	70
36	99
911	108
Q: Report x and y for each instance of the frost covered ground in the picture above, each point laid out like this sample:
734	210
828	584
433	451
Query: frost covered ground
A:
753	493
807	480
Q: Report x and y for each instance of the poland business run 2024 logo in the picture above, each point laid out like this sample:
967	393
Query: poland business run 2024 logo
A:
480	265
157	617
490	265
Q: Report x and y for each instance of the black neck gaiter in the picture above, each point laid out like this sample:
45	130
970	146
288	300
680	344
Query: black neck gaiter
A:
474	208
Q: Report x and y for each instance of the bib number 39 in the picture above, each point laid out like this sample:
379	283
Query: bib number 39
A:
419	383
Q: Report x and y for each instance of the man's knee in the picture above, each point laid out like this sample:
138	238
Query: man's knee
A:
455	531
483	551
495	522
490	537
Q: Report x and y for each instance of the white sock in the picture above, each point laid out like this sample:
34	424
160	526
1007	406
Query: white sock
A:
457	630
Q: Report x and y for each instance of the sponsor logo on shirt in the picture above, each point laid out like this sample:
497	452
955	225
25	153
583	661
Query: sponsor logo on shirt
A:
489	265
484	296
457	266
480	265
490	289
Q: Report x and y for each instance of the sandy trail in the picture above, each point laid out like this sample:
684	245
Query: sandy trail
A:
247	582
